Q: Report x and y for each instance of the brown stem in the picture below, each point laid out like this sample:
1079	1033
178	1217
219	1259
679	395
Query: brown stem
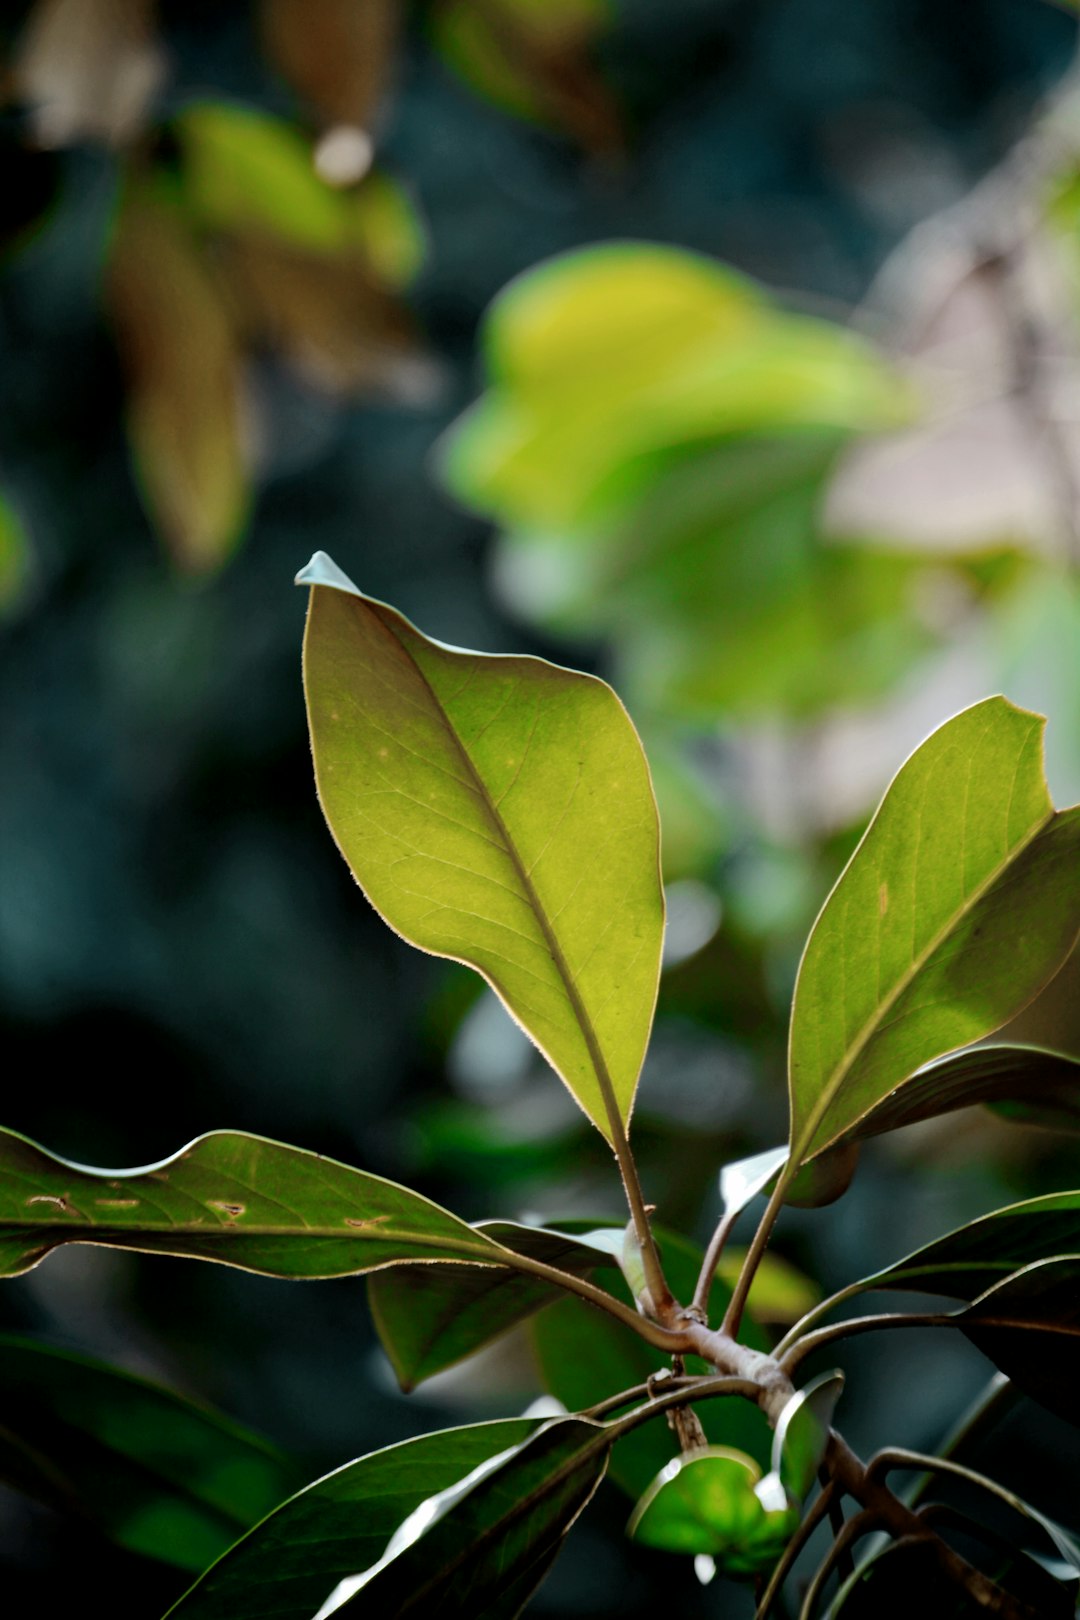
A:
712	1260
854	1527
862	1324
802	1535
758	1245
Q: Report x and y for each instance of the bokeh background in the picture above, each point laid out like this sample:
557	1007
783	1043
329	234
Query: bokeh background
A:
785	444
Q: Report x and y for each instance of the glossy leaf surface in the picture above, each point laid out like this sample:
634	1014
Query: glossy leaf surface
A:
1029	1326
1024	1083
481	1549
230	1197
962	899
967	1262
155	1472
705	1502
287	1566
497	811
802	1434
429	1317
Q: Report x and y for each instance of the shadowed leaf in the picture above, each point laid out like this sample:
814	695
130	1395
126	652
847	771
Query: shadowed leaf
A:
802	1434
497	811
287	1565
155	1472
1029	1326
961	901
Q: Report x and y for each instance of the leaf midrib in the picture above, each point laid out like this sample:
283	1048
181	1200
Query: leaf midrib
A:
872	1026
584	1021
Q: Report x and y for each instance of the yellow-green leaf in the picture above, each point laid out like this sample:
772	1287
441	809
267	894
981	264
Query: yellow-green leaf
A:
498	811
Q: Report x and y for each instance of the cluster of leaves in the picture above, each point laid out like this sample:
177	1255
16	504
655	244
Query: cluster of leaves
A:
498	810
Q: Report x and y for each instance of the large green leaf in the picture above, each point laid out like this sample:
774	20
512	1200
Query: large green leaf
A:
967	1262
429	1317
497	811
1029	1326
961	901
286	1567
150	1469
1024	1083
585	1358
481	1548
230	1197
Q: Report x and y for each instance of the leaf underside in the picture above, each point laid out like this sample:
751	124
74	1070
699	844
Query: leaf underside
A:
497	811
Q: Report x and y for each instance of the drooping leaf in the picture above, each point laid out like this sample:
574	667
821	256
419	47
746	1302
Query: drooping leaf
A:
429	1317
705	1503
155	1472
231	1197
184	402
802	1434
497	811
1025	1083
482	1547
285	1568
969	1261
1029	1326
585	1358
961	901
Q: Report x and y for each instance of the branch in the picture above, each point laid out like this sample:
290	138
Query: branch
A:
862	1324
809	1524
733	1315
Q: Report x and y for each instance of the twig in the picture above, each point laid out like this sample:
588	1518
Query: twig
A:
788	1557
862	1324
855	1527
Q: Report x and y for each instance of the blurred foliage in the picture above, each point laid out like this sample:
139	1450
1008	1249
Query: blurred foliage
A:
246	250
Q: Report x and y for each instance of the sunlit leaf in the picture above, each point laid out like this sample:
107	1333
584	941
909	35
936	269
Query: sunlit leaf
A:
802	1434
705	1502
184	381
429	1317
230	1197
482	1547
585	1358
158	1474
961	901
1029	1326
497	811
742	1180
288	1564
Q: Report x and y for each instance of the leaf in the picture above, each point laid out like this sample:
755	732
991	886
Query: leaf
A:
231	1197
1029	1326
742	1180
905	1578
288	1564
779	1294
184	381
802	1434
497	811
481	1548
705	1503
15	564
585	1358
155	1472
967	1262
960	902
429	1317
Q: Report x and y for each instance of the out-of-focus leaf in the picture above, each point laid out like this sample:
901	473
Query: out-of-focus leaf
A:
429	1317
156	1473
531	57
330	316
705	1502
497	811
585	1358
1029	1326
184	381
14	557
338	55
779	1294
483	1546
802	1434
287	1566
89	69
230	1197
961	901
679	352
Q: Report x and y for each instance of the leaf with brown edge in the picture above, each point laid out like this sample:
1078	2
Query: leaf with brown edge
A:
497	811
